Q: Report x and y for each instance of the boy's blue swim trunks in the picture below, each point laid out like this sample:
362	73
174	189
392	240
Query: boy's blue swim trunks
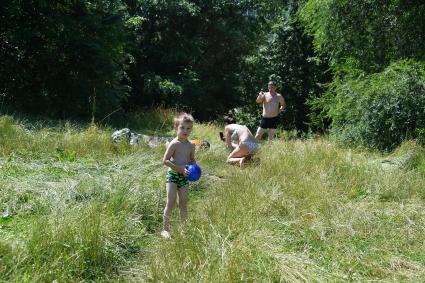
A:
176	178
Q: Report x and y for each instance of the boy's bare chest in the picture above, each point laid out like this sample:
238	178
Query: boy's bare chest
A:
183	148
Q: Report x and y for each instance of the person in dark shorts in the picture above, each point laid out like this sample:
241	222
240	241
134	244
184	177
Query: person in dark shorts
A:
273	103
269	123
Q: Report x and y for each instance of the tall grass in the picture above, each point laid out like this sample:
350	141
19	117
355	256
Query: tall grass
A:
84	228
311	212
77	207
64	139
74	205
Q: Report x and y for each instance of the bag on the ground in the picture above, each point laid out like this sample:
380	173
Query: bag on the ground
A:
126	134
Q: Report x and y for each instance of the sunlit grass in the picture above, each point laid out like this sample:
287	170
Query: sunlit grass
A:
78	207
311	212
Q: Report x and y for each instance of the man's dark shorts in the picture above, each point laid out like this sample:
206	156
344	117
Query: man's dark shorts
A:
269	123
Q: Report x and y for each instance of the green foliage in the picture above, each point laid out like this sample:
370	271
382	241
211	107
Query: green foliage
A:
9	131
249	117
373	100
421	135
64	155
64	58
374	33
286	55
190	53
93	59
379	110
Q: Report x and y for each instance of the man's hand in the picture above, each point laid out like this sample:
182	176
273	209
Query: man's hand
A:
260	97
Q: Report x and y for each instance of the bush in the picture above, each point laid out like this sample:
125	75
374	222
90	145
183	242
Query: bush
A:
379	110
249	117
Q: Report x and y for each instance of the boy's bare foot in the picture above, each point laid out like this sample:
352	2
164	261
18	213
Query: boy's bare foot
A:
165	234
242	161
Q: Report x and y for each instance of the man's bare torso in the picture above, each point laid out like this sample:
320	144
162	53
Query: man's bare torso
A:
271	105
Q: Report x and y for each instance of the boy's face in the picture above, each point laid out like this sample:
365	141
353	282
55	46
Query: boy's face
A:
183	130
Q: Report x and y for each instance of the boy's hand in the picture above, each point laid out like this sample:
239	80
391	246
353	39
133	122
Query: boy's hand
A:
182	170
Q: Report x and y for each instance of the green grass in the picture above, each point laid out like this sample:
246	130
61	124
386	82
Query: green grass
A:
80	208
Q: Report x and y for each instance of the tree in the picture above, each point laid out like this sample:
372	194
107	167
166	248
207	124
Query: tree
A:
286	54
59	57
190	53
376	97
367	34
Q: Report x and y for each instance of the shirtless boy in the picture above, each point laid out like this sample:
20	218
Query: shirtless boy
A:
180	153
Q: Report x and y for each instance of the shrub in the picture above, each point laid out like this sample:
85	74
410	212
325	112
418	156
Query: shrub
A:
9	132
249	117
379	110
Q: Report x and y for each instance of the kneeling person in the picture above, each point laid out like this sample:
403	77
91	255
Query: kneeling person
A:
239	140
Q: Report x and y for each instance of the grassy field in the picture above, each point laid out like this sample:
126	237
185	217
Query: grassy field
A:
77	207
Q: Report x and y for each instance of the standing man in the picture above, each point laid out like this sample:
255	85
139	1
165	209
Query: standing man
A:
273	104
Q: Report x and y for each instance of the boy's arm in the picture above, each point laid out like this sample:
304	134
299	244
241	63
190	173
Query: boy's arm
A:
192	155
167	159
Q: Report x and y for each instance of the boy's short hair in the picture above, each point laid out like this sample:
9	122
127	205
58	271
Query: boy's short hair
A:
272	83
183	118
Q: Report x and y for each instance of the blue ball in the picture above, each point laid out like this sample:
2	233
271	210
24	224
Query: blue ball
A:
194	172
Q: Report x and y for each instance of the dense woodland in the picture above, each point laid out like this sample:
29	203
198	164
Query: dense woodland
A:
354	69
